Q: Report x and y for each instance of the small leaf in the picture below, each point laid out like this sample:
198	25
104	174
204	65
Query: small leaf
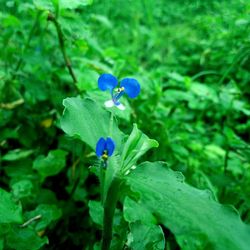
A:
16	154
10	212
51	164
136	145
22	188
24	239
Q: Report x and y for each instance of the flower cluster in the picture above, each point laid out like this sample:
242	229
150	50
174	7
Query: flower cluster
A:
129	86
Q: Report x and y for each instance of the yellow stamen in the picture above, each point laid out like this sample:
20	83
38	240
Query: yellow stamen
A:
105	156
121	89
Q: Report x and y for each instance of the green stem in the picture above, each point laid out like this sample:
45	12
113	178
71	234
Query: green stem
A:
226	160
52	18
109	211
102	179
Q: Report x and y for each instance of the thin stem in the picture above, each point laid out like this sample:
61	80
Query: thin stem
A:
226	160
102	179
31	220
11	105
109	211
52	18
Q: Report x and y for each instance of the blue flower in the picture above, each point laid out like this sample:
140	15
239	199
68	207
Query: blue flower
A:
104	149
129	86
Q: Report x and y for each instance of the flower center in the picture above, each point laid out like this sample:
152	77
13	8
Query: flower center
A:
120	89
105	155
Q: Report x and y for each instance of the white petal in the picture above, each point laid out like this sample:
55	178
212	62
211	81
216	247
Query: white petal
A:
121	106
109	104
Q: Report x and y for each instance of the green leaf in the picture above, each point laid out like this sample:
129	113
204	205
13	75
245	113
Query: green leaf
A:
52	164
85	80
49	213
195	218
96	212
86	119
22	188
44	4
16	154
148	237
73	4
136	145
24	239
10	212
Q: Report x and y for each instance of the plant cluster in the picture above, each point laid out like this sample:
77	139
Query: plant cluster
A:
78	169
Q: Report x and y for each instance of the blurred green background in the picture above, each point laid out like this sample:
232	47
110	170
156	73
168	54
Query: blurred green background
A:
192	59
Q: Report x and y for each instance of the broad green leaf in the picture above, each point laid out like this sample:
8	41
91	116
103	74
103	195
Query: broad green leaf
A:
10	211
24	239
1	244
148	237
48	213
87	120
52	164
195	218
136	145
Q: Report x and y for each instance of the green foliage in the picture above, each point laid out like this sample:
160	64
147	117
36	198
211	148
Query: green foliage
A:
52	164
191	59
146	237
48	214
96	212
10	211
197	221
25	239
97	121
136	145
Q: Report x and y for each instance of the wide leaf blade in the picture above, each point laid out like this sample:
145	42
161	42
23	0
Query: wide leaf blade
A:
195	218
86	120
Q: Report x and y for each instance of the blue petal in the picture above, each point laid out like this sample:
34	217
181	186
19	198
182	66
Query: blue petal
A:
110	146
131	86
107	81
100	147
